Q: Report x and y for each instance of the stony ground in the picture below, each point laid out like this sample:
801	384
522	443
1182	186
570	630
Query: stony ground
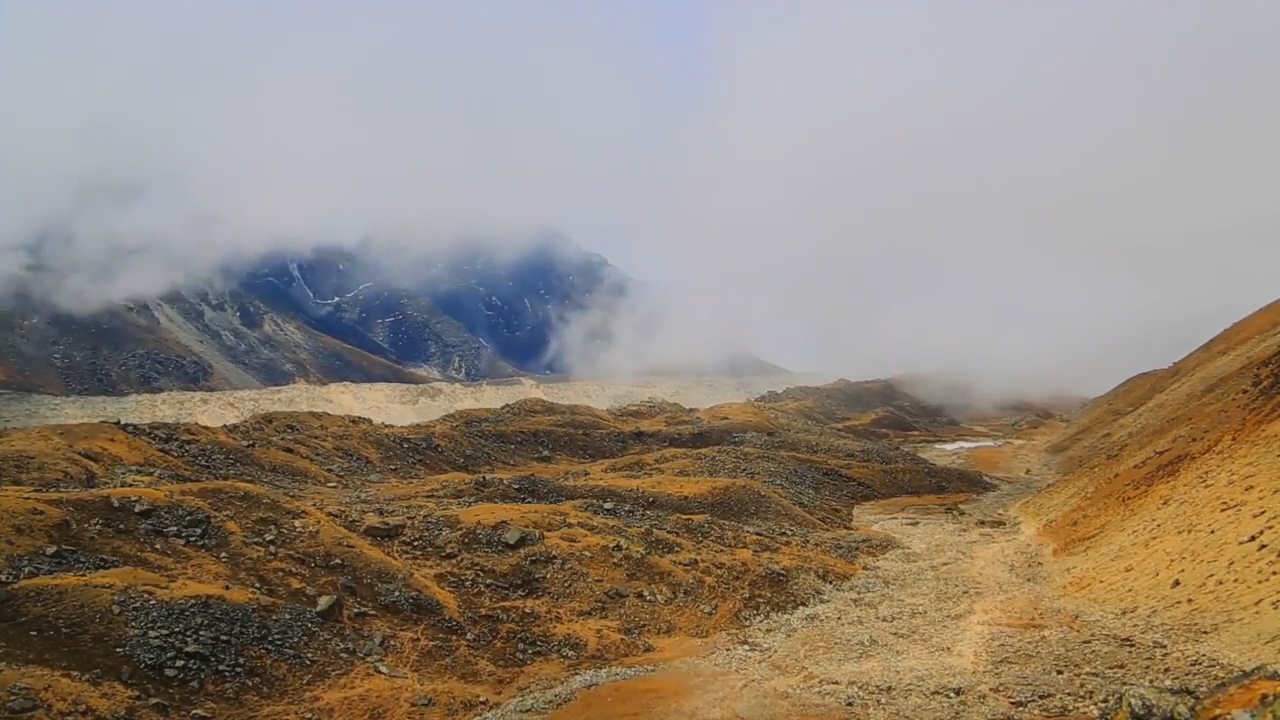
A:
956	623
305	565
757	561
392	403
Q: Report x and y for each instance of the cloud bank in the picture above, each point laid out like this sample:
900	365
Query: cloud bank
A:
1034	196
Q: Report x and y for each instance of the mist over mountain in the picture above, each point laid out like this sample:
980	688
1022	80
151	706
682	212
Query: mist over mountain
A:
332	314
1048	198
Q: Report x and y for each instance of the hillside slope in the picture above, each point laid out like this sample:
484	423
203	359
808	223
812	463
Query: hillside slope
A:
1170	490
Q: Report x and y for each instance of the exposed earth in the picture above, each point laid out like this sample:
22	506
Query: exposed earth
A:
848	551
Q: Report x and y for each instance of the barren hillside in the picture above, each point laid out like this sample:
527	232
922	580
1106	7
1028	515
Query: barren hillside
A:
315	563
1170	497
540	560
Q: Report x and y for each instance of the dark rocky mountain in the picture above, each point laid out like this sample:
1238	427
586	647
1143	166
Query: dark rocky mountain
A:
329	316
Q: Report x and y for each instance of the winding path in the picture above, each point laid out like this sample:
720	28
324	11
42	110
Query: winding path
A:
959	622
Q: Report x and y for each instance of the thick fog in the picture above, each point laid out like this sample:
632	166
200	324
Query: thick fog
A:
1043	196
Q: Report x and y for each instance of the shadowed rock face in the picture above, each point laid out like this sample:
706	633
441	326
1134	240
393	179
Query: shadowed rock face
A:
330	316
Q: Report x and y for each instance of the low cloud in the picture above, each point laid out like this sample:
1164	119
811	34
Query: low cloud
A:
1043	197
152	141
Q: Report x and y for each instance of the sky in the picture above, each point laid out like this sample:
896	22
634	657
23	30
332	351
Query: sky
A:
1035	196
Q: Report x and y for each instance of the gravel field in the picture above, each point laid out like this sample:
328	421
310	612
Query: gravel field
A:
391	403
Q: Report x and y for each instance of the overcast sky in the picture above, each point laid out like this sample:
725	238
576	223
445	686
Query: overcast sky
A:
1043	195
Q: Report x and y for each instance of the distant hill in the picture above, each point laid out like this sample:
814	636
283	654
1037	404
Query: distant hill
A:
328	316
869	409
1171	490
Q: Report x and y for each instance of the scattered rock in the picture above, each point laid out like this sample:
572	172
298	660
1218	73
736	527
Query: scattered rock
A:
329	608
54	560
384	529
390	671
347	586
21	706
192	639
190	525
1151	704
408	600
514	537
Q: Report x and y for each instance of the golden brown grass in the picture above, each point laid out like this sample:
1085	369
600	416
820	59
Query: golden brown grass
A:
1171	493
69	696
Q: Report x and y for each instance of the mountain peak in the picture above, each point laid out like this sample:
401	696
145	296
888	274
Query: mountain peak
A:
329	314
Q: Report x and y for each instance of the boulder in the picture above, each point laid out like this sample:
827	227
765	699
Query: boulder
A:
384	529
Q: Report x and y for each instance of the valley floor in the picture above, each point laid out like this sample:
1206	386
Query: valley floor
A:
391	403
962	621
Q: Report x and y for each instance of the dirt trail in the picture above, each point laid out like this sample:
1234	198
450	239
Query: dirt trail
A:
957	623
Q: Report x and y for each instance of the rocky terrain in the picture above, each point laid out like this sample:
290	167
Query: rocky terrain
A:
303	564
843	551
1120	571
330	315
954	622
